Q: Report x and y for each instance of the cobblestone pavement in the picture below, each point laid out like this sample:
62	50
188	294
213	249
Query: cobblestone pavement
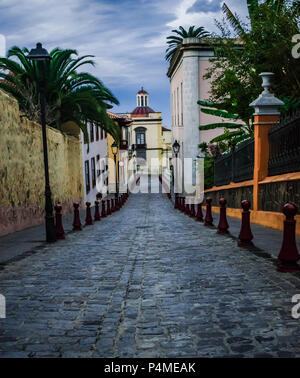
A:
147	282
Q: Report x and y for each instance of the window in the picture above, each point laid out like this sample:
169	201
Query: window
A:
181	104
146	101
140	138
141	154
139	101
177	106
97	133
93	172
87	176
98	166
92	133
142	98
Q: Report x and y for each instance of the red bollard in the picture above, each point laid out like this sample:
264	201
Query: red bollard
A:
223	224
182	208
199	215
289	255
76	222
108	211
103	211
113	206
192	211
176	202
97	216
245	235
208	221
187	209
88	218
60	232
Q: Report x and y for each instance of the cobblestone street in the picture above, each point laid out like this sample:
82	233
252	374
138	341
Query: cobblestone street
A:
147	281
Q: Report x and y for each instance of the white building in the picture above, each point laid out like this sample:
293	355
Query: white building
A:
95	167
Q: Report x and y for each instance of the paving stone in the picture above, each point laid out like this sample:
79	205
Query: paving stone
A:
147	281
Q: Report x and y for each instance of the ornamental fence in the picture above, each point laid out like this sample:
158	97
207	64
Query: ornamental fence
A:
284	154
235	166
284	140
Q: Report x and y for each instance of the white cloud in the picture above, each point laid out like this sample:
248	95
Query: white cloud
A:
127	37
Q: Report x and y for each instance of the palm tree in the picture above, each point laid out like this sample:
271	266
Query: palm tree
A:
277	7
70	96
175	41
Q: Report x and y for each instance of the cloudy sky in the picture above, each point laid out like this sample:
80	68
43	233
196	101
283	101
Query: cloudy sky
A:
127	37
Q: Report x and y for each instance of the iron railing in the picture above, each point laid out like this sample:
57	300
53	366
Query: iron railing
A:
243	162
235	166
284	139
223	169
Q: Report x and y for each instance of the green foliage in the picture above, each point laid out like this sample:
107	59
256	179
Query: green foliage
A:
208	171
264	44
228	139
70	95
175	41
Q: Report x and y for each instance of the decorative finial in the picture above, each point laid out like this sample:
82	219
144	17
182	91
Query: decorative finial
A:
266	103
266	78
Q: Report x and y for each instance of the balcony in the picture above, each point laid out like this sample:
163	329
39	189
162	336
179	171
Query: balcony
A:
124	145
139	146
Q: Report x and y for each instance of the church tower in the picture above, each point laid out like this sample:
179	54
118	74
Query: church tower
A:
142	98
146	133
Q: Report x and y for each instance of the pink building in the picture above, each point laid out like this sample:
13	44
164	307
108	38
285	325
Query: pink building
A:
187	86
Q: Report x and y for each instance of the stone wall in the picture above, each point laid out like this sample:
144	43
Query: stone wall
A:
22	182
272	196
234	196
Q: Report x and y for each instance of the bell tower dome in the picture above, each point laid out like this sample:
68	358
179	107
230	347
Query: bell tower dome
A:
142	98
142	105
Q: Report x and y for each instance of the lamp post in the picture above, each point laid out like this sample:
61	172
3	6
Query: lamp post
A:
176	149
42	57
114	150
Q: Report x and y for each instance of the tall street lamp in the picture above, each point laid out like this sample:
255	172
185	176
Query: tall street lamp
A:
114	149
42	57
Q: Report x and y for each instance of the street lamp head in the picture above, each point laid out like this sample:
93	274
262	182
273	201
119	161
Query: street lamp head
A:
114	148
176	147
39	54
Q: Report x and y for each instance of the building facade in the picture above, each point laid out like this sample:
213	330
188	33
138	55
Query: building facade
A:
166	150
95	162
187	86
145	135
123	123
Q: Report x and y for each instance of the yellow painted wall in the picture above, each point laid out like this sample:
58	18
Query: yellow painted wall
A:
153	138
22	182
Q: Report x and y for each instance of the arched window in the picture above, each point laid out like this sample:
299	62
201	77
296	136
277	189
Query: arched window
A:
142	98
140	135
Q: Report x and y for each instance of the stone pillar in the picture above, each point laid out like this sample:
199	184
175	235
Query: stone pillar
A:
266	115
190	106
